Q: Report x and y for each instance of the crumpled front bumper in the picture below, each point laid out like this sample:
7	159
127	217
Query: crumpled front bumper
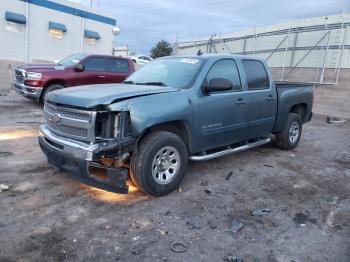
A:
78	159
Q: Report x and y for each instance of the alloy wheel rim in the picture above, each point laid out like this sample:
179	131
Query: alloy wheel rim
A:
294	132
165	165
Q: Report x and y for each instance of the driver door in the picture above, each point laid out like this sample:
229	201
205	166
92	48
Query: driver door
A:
95	72
222	117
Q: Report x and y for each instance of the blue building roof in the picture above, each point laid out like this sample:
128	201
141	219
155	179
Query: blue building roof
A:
71	10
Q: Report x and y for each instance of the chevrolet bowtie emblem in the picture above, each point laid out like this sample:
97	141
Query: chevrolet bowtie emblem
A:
56	118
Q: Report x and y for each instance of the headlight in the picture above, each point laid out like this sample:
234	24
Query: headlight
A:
33	76
122	125
116	125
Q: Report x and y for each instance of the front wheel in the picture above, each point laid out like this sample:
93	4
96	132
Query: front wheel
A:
49	89
160	163
289	137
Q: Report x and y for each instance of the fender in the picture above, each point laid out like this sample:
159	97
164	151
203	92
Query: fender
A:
147	111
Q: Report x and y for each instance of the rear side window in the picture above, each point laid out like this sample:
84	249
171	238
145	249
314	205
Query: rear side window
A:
256	75
227	69
119	66
95	64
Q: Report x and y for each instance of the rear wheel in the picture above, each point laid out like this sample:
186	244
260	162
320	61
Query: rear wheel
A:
49	89
160	163
289	137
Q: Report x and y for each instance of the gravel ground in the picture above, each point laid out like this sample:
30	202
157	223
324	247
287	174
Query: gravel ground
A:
305	193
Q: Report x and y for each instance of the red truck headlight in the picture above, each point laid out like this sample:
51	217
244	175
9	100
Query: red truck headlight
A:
34	76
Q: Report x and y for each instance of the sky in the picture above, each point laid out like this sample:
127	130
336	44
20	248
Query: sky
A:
145	22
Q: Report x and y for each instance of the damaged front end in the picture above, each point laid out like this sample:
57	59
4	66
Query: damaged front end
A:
93	145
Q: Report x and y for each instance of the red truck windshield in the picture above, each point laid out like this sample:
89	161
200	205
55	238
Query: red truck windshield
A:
72	60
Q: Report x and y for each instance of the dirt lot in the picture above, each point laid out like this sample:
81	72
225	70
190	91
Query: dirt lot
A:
47	216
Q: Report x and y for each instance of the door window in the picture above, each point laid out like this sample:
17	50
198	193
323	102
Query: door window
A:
256	75
119	66
144	58
95	64
90	41
14	27
226	69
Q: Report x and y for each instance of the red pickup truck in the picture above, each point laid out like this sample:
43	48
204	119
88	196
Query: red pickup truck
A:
35	81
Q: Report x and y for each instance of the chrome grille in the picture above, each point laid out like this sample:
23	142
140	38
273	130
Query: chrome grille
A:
71	130
19	75
71	123
67	112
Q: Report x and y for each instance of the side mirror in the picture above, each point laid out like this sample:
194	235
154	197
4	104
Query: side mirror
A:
79	67
217	85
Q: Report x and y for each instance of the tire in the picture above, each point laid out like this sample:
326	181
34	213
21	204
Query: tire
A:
289	137
49	89
160	164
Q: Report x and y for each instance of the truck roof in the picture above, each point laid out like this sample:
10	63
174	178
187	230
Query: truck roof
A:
210	55
101	55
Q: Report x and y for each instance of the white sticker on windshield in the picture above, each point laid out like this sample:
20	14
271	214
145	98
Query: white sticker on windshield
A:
189	61
59	68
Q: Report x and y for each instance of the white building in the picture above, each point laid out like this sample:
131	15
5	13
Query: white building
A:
313	42
314	50
46	30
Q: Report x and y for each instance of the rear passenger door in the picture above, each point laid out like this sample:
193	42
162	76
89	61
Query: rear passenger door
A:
262	98
118	70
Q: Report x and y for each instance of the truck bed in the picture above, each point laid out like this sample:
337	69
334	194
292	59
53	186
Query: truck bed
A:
293	93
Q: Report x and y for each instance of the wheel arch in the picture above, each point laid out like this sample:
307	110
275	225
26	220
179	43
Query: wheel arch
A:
178	127
61	82
299	109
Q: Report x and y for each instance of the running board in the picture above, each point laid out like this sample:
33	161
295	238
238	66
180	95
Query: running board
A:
230	150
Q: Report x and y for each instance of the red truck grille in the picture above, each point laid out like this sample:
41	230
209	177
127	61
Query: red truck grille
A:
19	76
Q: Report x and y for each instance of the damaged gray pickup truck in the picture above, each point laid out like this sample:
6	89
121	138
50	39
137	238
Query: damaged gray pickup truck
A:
171	110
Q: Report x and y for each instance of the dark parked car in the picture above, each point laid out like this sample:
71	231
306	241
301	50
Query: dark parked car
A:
37	80
171	110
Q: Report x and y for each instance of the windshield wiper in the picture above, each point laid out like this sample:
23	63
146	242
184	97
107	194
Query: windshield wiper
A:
153	84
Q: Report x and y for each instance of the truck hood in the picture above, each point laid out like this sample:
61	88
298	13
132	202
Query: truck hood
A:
42	67
91	96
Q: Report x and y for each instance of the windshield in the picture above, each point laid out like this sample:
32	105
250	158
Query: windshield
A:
71	60
174	72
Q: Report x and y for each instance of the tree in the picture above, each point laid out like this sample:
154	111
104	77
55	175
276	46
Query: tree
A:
162	48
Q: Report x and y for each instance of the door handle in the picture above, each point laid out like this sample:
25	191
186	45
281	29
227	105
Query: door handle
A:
240	101
269	98
101	76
